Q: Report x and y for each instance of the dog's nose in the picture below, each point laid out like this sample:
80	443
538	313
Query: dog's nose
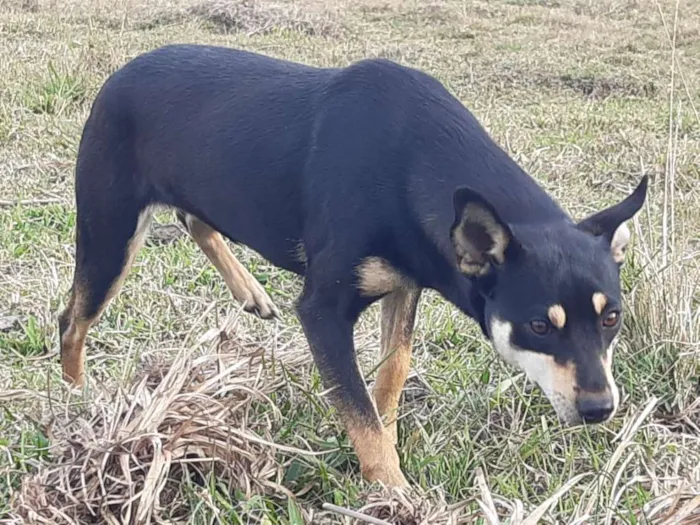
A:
595	407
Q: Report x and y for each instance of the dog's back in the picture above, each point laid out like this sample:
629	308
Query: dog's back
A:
210	131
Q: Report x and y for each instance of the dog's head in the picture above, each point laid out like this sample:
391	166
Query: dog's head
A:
551	296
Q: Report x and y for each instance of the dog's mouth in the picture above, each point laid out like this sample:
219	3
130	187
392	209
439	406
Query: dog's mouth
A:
577	412
565	409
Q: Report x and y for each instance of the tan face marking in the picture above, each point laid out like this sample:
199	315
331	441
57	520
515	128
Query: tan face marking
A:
599	302
558	382
557	315
378	277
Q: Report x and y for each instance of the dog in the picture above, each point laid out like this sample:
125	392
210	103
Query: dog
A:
372	182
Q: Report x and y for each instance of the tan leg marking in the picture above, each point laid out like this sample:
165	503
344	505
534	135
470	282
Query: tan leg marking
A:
376	452
75	316
372	443
398	320
73	339
599	302
244	287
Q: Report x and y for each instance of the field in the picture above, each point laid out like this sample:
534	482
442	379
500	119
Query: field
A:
197	412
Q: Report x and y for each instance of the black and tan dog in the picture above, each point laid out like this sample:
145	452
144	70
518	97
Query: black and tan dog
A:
371	181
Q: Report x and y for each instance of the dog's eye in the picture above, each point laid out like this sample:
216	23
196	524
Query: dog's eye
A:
539	326
611	319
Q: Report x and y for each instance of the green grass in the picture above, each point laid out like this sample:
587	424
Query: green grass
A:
578	92
56	93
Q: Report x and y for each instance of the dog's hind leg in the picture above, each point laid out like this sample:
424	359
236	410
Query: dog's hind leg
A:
110	231
398	319
243	286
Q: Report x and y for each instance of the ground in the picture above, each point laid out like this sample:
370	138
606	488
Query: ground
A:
587	95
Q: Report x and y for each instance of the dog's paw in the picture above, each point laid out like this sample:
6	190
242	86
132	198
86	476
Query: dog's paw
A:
390	476
258	302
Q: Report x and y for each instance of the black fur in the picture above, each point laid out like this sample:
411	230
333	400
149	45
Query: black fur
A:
348	163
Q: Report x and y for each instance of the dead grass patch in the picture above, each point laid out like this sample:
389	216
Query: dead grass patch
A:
589	86
397	508
254	17
600	88
125	457
165	234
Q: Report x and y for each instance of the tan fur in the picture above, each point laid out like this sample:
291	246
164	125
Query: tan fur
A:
398	319
599	302
564	379
376	452
377	277
500	240
244	287
73	352
558	382
470	261
300	253
620	240
73	340
557	315
473	268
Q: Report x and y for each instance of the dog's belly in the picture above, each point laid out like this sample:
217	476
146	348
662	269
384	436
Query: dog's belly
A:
275	234
281	247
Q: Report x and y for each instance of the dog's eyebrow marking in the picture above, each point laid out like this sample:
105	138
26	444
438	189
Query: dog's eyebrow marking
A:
557	315
599	302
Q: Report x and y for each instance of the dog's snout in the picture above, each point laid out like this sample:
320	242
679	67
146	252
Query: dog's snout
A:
595	407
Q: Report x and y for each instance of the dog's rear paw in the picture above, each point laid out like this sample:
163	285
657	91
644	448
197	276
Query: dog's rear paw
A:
258	302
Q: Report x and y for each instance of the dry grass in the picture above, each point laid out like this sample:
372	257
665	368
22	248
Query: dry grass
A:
126	456
587	96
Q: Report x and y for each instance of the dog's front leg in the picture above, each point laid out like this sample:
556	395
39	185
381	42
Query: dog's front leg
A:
398	319
329	332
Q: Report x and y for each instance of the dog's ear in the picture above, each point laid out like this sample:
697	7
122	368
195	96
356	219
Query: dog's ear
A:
480	238
610	223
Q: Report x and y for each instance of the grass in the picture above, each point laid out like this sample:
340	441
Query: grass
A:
587	96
